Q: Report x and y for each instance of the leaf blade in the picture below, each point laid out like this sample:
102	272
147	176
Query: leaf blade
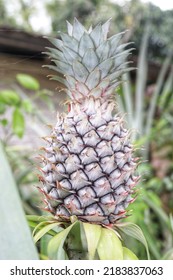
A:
93	233
135	231
15	237
109	247
55	246
18	123
28	81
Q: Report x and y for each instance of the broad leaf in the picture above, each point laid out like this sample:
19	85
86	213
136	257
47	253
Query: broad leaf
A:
109	247
28	81
134	231
9	97
15	237
36	218
128	254
168	255
2	108
27	106
93	233
55	246
18	123
44	230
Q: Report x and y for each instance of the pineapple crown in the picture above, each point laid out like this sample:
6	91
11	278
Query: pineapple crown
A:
90	63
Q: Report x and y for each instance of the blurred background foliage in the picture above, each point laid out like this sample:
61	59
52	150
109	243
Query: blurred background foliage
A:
26	107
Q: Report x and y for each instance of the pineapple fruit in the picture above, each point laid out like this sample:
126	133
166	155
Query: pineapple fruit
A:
89	171
89	165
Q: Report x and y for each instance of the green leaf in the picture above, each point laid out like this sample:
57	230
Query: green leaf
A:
36	218
2	108
158	210
44	230
27	106
55	246
4	122
109	247
9	97
28	81
18	123
134	231
141	81
75	237
93	233
15	237
128	254
168	255
43	245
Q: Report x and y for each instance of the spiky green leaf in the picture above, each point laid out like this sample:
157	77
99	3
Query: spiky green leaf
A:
56	42
97	35
90	60
114	42
69	41
80	72
93	79
85	44
78	29
69	28
70	55
105	67
63	67
105	28
103	51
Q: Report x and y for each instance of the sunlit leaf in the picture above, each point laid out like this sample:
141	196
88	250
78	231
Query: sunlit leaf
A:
18	123
36	218
27	106
15	237
128	254
28	81
158	210
55	246
93	233
141	81
2	108
4	122
9	97
44	230
168	255
109	246
134	231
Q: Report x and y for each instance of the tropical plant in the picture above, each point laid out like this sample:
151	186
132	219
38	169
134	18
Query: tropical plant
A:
149	111
15	236
17	168
89	169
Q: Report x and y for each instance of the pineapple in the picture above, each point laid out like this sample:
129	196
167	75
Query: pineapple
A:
89	170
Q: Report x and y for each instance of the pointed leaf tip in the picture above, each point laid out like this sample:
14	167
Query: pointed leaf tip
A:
105	28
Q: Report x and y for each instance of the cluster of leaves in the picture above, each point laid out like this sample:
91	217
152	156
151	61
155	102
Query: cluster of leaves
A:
133	16
9	98
17	172
80	240
149	109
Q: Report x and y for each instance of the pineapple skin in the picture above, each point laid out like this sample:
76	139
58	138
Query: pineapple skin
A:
88	168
